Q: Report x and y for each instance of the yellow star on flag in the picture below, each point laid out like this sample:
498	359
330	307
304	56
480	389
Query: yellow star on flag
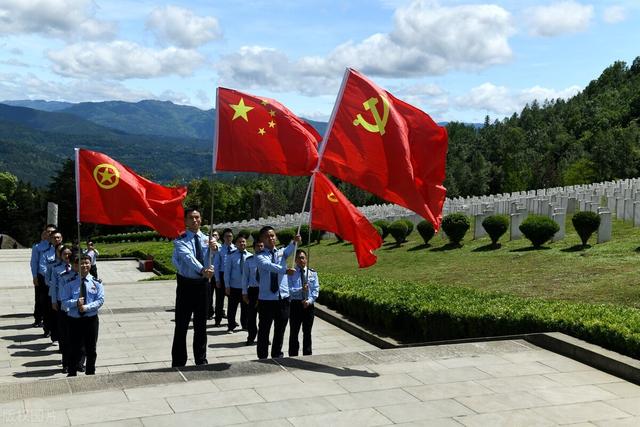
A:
261	131
272	113
240	110
263	102
107	176
272	124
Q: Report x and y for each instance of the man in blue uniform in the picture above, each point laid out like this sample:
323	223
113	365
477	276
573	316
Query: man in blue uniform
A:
47	258
191	259
273	297
37	252
211	285
62	274
233	268
250	289
226	249
81	299
303	290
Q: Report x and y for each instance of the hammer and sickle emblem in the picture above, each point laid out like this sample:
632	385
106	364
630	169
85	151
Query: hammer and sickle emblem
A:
332	197
106	175
380	122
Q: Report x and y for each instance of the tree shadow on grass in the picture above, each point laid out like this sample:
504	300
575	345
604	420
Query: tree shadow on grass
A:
420	247
488	248
576	248
531	248
447	247
392	246
335	243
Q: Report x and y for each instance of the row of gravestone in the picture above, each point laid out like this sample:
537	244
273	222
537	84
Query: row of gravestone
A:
620	198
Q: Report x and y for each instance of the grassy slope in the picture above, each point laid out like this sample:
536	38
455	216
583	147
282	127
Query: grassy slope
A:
603	273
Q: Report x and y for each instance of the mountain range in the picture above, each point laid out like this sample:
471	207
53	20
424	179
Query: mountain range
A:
165	141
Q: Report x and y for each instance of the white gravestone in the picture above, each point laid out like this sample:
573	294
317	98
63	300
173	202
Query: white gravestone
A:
604	230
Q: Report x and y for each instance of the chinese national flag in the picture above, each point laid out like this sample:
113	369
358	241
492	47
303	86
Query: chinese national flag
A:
110	193
387	147
256	134
332	211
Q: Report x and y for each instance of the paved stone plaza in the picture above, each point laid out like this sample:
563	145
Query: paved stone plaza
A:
346	382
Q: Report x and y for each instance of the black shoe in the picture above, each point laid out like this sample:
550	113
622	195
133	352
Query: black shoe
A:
37	325
90	373
80	368
209	317
65	370
251	342
217	324
72	374
279	356
202	362
46	334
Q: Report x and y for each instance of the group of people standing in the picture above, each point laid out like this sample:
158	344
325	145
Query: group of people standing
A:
208	270
68	295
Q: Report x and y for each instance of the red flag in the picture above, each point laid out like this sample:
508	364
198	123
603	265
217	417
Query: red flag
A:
261	135
333	212
388	147
108	192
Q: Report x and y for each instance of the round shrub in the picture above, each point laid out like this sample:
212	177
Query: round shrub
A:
409	226
255	235
245	232
285	236
426	230
586	223
384	225
316	235
539	229
455	226
398	230
496	226
339	238
378	229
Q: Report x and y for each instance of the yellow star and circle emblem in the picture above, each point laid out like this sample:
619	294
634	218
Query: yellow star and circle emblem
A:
107	176
332	197
240	110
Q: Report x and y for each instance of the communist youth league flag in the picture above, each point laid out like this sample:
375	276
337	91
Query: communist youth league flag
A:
332	211
108	192
256	134
387	147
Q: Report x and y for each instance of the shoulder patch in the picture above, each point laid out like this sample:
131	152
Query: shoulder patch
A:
311	269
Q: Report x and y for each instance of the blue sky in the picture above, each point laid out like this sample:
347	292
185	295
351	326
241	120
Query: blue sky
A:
456	60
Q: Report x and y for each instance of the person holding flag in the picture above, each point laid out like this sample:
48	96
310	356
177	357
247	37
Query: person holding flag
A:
191	259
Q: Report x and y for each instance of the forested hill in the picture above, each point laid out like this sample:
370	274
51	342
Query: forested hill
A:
591	137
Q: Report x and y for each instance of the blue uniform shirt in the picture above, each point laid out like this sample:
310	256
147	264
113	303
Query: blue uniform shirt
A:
232	271
93	300
61	273
184	254
51	267
295	285
266	266
36	254
46	254
249	274
220	258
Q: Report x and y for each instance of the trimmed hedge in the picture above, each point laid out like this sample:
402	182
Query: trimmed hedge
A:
586	223
384	225
425	228
538	229
455	226
417	312
496	226
409	226
398	230
285	236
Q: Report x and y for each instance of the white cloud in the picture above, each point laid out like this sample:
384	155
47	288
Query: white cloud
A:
30	86
559	18
426	39
66	19
123	60
181	27
614	14
501	100
431	98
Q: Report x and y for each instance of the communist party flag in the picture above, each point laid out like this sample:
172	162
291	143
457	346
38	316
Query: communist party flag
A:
332	211
387	147
110	193
256	134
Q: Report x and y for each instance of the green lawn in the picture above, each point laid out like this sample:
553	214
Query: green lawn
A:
602	273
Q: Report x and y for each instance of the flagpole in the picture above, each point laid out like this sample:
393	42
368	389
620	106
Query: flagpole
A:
214	158
77	173
323	145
